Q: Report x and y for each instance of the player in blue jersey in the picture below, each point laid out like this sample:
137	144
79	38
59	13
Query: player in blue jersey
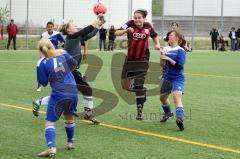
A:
56	68
74	39
54	37
173	78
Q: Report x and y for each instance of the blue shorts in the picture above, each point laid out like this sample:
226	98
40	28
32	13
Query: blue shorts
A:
61	104
169	86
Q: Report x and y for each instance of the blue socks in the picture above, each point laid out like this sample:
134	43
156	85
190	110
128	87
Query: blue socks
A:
69	127
179	112
166	109
50	135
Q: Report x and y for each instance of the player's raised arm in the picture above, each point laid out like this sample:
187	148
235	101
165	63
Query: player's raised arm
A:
124	29
42	76
71	30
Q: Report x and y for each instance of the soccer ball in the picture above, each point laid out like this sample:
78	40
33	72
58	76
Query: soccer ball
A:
99	8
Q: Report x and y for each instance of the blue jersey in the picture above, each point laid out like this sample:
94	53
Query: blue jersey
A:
58	72
54	38
177	54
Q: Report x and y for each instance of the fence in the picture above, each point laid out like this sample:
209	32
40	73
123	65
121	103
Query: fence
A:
195	17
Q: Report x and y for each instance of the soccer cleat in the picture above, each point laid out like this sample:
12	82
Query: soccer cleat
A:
180	125
39	89
70	146
92	119
139	115
165	117
48	153
36	108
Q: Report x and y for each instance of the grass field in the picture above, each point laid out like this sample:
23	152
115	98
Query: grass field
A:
211	100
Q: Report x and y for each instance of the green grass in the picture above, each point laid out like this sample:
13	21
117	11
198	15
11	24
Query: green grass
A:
211	106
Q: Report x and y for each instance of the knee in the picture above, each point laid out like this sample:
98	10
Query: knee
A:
125	85
163	99
49	123
177	99
86	90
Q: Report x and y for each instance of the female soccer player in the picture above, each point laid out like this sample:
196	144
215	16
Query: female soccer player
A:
183	43
136	63
55	69
54	37
173	78
72	45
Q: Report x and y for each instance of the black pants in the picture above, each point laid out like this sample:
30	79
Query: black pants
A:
111	45
214	43
82	84
102	41
9	42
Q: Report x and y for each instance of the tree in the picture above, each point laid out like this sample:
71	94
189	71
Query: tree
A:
4	15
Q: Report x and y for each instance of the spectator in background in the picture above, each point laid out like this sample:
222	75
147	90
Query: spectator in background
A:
12	33
222	44
233	37
111	38
238	37
1	32
214	38
102	36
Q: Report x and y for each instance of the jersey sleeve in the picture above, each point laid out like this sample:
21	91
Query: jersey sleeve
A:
83	32
90	35
153	33
181	57
42	75
60	38
126	25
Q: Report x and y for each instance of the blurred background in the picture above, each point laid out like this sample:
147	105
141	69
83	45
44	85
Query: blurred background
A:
195	17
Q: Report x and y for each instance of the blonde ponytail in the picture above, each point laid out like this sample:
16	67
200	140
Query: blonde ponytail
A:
46	48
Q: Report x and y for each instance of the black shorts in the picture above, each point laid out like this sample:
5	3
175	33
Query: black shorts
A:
134	69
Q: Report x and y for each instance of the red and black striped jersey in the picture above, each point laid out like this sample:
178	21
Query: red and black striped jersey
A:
138	40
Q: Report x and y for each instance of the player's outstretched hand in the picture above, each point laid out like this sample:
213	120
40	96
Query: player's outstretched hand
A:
101	19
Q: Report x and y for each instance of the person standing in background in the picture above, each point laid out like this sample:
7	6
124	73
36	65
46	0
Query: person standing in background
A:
102	38
233	37
111	38
1	33
238	38
214	38
12	33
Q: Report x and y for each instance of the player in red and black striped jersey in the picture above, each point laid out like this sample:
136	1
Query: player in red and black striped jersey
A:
136	63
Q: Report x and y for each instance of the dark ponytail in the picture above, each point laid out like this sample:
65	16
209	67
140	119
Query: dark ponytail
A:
143	12
64	28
